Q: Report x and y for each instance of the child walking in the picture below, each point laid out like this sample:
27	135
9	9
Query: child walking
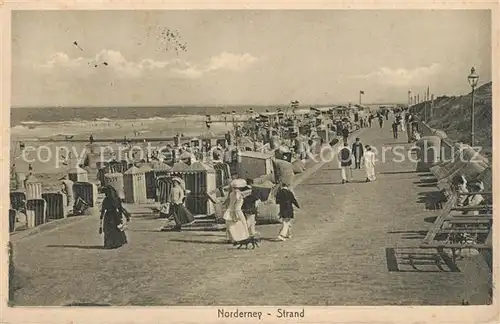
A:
286	200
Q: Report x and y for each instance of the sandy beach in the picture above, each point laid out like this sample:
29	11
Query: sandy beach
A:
46	146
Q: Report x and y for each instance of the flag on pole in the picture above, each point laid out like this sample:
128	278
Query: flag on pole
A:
362	92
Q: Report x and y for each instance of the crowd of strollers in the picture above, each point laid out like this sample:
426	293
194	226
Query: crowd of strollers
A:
241	209
240	206
242	203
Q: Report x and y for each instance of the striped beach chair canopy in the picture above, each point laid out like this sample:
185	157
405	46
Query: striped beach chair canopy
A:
199	166
160	166
180	167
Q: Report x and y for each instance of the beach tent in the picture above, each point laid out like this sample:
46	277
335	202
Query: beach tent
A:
200	180
179	167
254	164
185	156
298	166
283	171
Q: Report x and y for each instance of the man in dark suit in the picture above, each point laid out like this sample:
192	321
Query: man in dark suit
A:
345	133
345	162
286	200
395	129
357	152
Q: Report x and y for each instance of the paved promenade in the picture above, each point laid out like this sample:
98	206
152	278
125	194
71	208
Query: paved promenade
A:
350	246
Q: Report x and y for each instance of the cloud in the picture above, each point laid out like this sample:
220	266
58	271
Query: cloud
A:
115	60
119	64
229	61
189	72
224	61
403	77
62	60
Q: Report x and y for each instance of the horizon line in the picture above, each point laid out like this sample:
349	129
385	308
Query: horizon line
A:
207	106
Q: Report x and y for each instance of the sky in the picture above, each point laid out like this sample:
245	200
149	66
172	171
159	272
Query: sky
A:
244	57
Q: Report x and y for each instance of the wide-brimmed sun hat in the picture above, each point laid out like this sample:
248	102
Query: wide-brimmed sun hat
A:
478	184
178	180
238	183
284	149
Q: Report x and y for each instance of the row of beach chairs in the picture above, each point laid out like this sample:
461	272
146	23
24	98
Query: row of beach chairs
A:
51	205
467	227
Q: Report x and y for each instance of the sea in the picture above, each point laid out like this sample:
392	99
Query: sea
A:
46	130
43	122
38	123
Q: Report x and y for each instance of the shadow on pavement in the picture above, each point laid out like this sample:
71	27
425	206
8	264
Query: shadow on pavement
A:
83	247
430	219
426	181
332	183
220	234
398	172
429	185
271	239
408	232
410	235
320	183
149	217
415	260
433	200
199	242
398	143
144	230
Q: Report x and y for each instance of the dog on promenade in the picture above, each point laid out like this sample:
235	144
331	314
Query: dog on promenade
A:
251	240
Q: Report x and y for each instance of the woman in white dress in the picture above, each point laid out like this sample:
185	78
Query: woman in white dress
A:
236	224
460	184
468	238
369	161
475	199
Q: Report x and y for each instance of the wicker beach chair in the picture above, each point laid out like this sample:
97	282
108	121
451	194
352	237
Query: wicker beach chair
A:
56	205
36	212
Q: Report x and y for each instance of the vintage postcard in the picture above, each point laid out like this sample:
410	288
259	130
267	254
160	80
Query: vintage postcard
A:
249	162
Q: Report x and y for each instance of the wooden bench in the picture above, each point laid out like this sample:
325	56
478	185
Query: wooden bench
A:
442	170
445	184
449	223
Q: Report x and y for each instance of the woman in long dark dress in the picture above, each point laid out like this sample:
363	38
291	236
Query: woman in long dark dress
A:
176	199
111	220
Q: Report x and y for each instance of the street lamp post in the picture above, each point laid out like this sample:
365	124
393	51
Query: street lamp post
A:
472	78
432	105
